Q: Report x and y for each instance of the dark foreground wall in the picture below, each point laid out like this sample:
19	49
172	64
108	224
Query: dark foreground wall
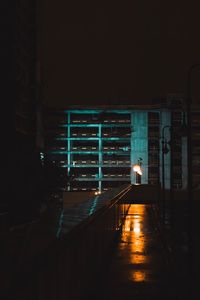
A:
143	193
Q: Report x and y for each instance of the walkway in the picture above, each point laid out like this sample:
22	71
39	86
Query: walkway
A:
138	269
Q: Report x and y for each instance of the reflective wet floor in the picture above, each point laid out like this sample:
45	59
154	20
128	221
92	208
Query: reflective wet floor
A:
138	267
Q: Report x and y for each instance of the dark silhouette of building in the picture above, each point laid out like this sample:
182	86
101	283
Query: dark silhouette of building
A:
26	157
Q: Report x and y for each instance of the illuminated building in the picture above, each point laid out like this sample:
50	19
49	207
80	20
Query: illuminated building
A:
98	146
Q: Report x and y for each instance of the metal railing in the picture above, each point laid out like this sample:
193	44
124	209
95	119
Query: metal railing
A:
68	267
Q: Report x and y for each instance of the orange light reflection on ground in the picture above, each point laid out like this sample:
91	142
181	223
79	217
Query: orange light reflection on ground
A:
136	241
139	275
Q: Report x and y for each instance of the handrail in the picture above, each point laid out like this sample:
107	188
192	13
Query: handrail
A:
75	256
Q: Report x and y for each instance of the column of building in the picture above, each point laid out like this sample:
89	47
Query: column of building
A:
139	143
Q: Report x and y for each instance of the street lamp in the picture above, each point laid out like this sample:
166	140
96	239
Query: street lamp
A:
138	171
165	149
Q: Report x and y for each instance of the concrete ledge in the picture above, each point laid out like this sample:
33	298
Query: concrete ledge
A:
145	193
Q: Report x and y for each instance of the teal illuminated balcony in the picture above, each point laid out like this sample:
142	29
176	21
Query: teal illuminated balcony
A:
92	138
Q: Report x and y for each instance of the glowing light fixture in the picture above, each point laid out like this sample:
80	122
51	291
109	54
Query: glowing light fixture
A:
97	193
137	169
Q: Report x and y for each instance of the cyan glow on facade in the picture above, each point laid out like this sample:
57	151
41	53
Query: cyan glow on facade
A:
99	146
134	143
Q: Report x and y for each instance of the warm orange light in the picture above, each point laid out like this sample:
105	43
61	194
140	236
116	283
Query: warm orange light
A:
97	193
136	227
136	243
139	275
137	169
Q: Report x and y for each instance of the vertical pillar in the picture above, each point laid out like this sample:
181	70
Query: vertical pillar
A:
165	120
100	157
139	143
68	147
132	175
184	163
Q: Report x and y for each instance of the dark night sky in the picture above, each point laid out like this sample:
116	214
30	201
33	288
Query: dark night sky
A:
115	52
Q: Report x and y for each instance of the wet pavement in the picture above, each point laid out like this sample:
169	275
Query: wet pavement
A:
139	268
